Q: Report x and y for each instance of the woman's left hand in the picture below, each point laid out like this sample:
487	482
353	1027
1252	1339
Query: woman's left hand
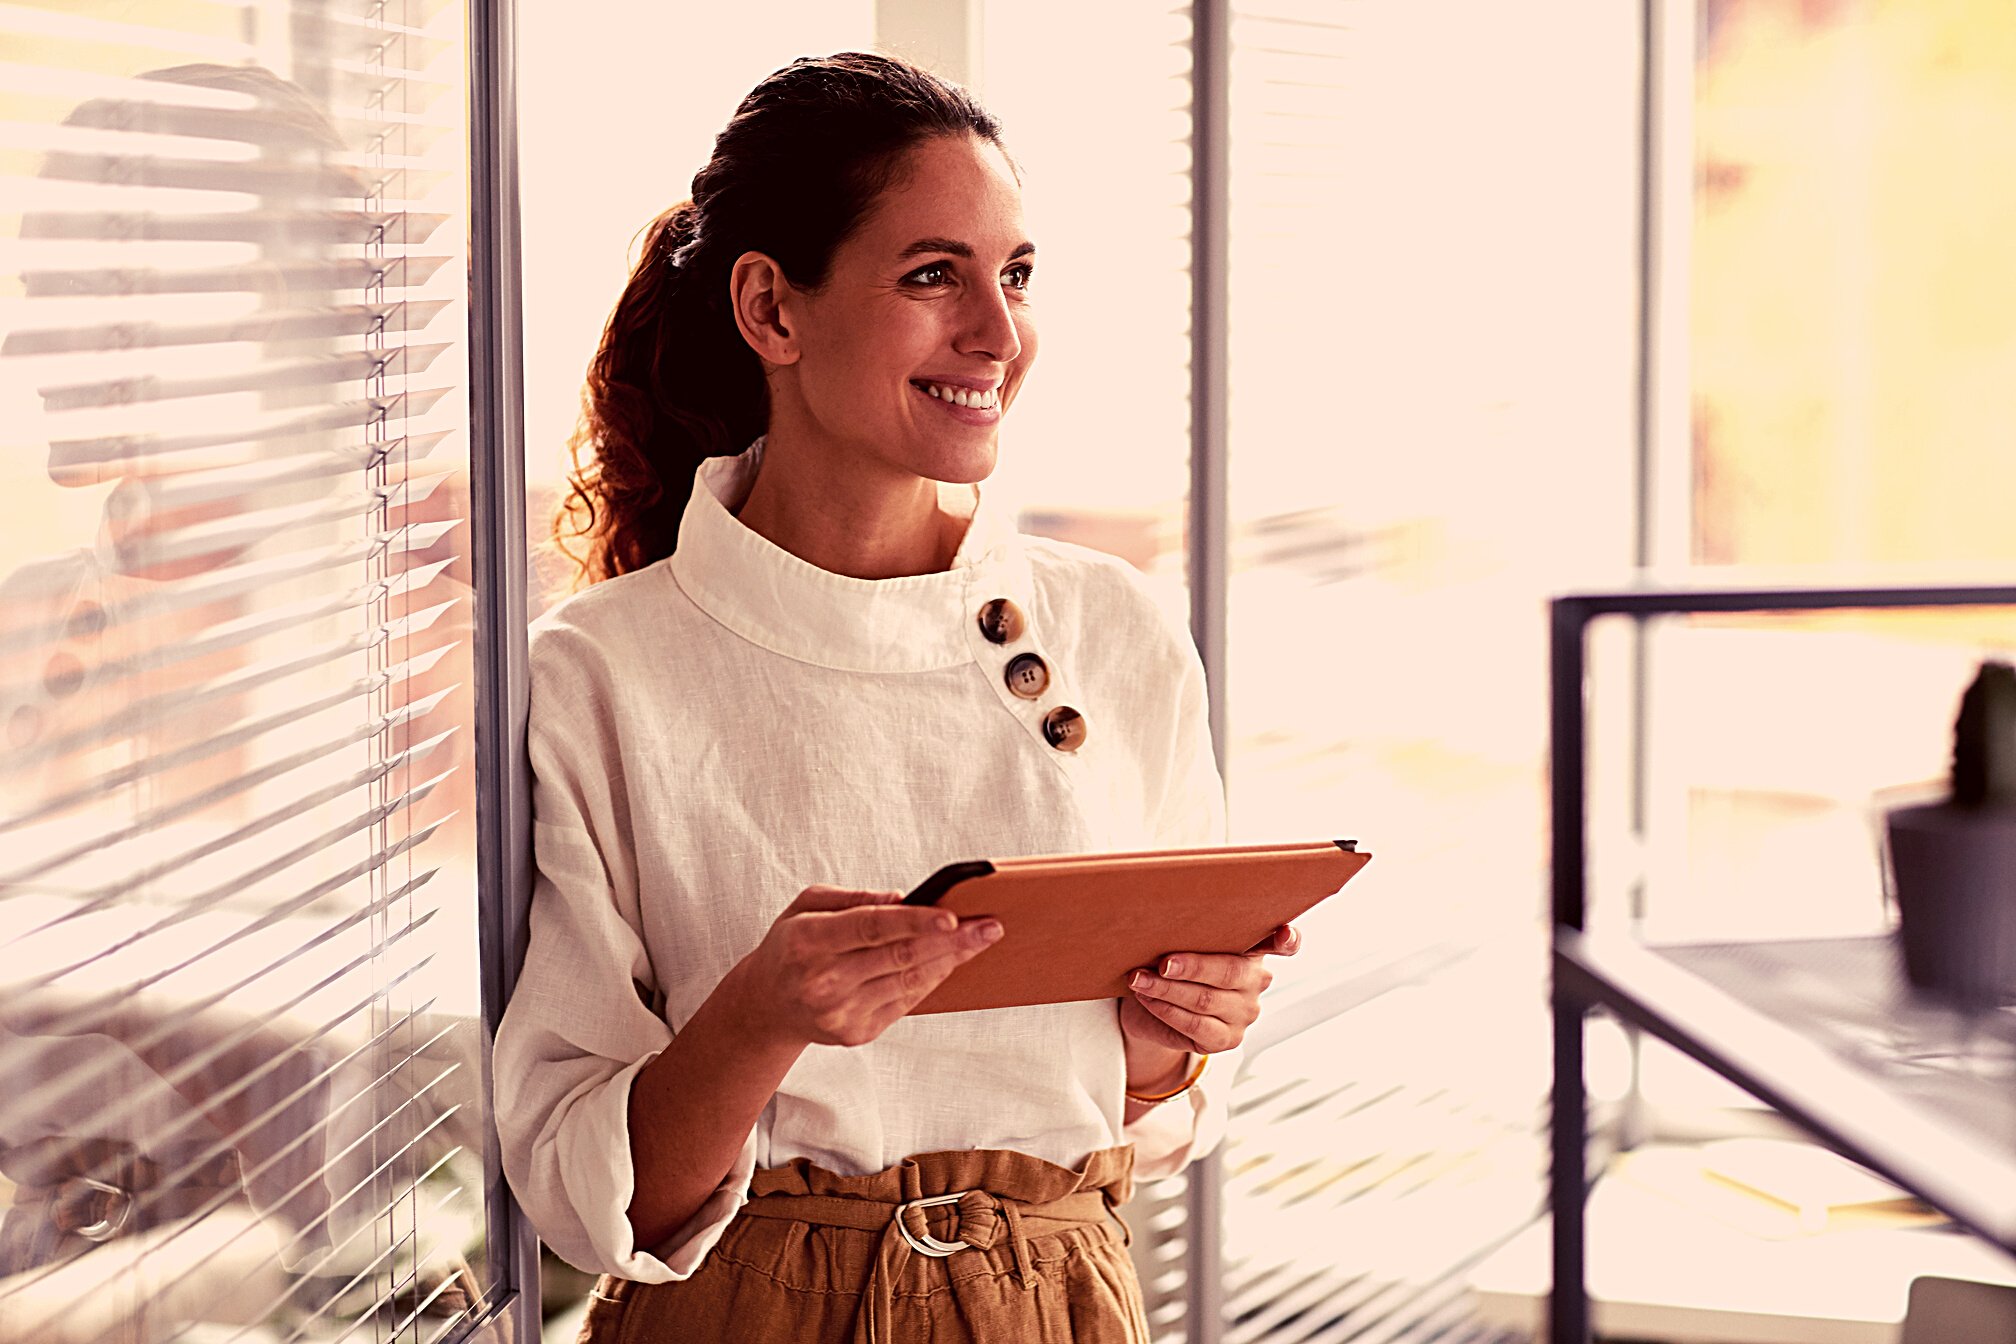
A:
1199	1001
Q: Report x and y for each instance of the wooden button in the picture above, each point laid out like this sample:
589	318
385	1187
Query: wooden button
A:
1064	728
1028	676
1001	621
63	674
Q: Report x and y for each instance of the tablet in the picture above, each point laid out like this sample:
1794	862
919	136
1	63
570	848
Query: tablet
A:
1074	926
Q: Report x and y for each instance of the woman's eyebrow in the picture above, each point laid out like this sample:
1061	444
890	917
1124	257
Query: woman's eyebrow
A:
954	247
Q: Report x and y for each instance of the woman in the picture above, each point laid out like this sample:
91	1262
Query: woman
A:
814	664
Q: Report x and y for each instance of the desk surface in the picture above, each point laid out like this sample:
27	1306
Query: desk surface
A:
1662	1268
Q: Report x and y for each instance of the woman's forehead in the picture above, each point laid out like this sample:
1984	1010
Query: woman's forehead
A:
950	191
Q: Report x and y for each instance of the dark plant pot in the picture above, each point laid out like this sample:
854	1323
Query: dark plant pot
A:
1953	870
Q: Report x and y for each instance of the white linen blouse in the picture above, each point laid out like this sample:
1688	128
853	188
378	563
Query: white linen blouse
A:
717	731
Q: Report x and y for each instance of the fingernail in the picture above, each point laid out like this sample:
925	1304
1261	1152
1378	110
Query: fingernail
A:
947	922
1141	980
1172	967
990	930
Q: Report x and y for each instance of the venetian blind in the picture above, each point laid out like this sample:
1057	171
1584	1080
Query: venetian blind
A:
240	1068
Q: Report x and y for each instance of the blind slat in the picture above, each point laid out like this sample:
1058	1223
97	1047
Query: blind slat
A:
351	39
80	460
270	227
66	180
230	536
361	116
354	367
344	320
299	275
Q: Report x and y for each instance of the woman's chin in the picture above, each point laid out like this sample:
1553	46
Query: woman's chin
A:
965	464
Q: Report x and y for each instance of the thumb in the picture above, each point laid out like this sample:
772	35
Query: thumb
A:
820	896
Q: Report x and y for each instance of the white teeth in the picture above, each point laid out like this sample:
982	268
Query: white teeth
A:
960	396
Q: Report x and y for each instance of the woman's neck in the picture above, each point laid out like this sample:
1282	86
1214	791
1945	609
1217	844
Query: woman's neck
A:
848	518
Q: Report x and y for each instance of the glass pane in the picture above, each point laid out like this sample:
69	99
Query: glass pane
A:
1433	297
1850	333
1853	328
1431	431
239	1017
1097	448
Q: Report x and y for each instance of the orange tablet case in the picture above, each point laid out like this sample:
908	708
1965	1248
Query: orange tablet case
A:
1074	926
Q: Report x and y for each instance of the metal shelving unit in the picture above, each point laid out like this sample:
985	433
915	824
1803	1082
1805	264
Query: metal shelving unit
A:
1801	1042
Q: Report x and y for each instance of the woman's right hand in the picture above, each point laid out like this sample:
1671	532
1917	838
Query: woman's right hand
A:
840	966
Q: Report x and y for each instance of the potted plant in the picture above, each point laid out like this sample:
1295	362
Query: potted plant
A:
1953	863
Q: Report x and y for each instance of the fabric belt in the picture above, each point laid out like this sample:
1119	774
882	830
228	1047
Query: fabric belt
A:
981	1219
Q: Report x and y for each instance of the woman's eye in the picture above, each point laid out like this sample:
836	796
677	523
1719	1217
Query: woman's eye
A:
937	273
1019	276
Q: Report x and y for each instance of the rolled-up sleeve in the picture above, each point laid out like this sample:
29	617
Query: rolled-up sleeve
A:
581	1023
1191	813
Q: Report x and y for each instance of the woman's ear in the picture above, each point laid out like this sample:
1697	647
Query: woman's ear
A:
758	289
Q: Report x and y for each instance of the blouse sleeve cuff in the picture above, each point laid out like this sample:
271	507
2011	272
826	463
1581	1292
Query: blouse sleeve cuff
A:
597	1163
1171	1136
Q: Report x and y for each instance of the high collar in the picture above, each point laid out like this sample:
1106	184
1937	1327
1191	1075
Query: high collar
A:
774	599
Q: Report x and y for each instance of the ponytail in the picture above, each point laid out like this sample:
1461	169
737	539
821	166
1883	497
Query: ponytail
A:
673	383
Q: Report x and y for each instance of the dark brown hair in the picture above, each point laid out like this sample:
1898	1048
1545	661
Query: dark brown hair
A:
673	382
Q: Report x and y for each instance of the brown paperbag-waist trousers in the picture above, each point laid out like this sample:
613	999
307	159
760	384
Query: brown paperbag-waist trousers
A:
819	1258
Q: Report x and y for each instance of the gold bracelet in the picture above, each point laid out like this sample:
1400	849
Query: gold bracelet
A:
1185	1086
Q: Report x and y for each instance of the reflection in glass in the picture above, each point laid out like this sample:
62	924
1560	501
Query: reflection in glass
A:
239	1032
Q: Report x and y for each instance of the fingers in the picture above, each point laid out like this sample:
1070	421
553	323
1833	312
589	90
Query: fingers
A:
1236	971
1285	941
901	990
1208	999
1139	1023
837	921
1238	1007
1202	1032
1158	1032
929	955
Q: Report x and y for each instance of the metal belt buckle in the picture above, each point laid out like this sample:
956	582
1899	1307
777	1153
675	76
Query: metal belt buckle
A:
121	1209
930	1245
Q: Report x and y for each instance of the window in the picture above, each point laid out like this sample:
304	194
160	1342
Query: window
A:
1432	330
241	1025
1842	323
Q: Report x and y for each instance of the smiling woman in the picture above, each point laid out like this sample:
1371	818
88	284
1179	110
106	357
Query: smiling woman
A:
895	372
813	662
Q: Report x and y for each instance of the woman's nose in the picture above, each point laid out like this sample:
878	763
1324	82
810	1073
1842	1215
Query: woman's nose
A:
991	329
